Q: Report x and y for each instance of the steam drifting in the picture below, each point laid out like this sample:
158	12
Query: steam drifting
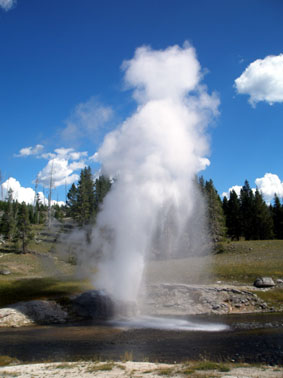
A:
153	207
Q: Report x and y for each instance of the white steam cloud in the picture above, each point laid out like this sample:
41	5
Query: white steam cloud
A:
7	4
154	155
262	80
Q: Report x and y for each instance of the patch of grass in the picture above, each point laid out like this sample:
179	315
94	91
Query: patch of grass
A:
101	367
191	367
187	371
64	366
122	367
10	374
7	360
244	261
209	365
37	288
127	356
165	371
272	297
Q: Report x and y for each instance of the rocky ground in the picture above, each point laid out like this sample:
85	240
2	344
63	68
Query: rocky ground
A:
179	299
158	299
138	369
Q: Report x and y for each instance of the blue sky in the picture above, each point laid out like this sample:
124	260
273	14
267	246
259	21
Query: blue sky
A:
61	83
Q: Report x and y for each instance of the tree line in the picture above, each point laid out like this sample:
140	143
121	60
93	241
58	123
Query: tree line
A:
240	216
16	220
246	215
85	198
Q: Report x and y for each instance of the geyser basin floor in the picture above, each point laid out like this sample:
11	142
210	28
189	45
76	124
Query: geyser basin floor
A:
164	323
263	344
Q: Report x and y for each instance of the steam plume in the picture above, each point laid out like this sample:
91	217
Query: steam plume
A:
154	156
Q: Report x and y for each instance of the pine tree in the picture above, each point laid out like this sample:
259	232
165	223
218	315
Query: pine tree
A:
8	224
72	202
216	219
247	210
85	198
262	219
102	187
277	215
232	213
24	232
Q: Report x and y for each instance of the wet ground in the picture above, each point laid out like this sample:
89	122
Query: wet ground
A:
247	338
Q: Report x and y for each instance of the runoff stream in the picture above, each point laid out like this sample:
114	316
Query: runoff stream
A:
241	338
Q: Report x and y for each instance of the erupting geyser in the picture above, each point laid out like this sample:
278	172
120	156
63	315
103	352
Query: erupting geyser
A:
154	155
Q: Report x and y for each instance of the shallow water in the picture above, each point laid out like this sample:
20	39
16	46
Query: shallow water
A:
246	338
168	323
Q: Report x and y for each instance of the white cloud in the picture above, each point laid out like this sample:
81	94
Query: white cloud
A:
28	151
65	153
262	80
62	164
236	188
22	194
7	4
57	172
87	118
270	184
94	157
77	165
78	155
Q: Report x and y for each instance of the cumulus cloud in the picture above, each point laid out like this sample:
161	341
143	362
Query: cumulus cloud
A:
269	185
85	121
58	172
262	80
28	151
22	194
65	153
7	4
236	188
62	164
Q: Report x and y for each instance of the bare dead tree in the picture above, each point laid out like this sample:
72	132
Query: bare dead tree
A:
1	180
50	196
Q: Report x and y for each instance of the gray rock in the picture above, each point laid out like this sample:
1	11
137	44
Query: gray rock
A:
264	282
192	300
93	304
32	312
4	270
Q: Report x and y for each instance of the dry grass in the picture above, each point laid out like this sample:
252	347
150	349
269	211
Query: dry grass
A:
7	360
127	356
244	261
273	297
100	367
38	288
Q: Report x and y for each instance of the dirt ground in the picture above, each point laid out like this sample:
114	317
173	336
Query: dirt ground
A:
132	369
